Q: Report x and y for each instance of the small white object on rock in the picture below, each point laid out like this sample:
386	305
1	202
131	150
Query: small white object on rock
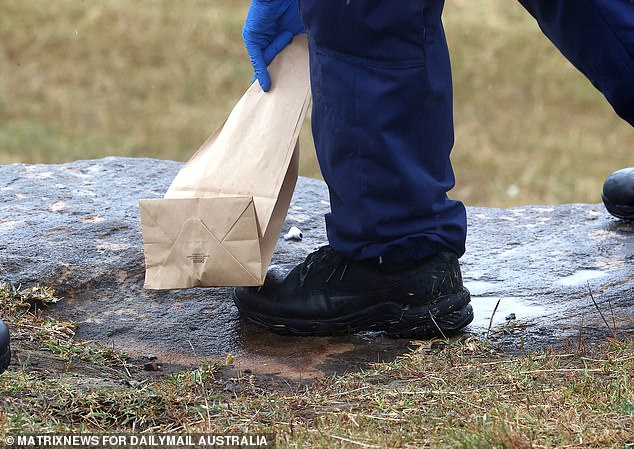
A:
293	234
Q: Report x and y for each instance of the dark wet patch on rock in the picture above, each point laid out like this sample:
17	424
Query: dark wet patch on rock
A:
75	227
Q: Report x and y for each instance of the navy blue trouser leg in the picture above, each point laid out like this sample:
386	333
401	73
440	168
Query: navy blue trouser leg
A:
597	37
383	126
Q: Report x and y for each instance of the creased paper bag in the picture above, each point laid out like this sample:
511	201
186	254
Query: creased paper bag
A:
221	217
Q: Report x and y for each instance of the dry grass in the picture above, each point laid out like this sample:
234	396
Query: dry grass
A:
451	394
86	79
529	127
21	309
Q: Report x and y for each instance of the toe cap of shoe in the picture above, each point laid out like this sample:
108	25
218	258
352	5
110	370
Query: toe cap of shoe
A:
4	337
619	187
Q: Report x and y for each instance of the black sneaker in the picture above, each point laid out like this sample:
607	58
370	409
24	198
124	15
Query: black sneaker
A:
5	350
618	194
329	294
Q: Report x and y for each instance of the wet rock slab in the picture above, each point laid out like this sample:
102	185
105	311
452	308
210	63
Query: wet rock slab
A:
538	275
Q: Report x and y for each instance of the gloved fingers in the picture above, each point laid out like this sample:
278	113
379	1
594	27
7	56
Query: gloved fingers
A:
261	59
277	46
264	78
259	67
268	28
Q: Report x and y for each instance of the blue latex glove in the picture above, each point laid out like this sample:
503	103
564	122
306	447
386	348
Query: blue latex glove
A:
269	27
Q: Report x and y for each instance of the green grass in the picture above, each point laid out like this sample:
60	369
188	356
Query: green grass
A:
87	79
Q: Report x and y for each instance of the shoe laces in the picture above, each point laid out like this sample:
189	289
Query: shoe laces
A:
324	256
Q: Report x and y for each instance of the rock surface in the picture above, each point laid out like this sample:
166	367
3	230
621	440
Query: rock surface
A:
547	271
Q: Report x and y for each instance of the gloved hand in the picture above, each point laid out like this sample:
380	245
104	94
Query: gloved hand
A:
269	27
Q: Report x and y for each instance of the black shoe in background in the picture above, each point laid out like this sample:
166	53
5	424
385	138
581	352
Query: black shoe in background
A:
618	194
5	350
330	294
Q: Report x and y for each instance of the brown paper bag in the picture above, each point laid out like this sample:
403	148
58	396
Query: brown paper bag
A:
221	217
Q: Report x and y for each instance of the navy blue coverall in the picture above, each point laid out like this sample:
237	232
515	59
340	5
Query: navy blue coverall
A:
383	120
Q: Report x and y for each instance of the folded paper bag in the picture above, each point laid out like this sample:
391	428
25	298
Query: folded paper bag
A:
221	217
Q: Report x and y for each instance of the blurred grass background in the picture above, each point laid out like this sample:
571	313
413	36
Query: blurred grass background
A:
82	79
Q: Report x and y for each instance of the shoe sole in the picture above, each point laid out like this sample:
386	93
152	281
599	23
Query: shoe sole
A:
445	317
5	360
619	210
